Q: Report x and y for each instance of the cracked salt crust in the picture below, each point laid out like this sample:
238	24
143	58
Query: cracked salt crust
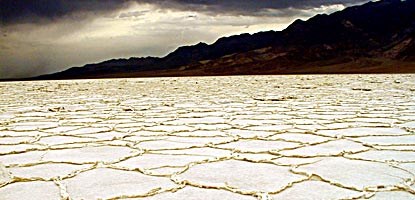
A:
56	140
316	190
359	132
389	140
109	183
300	137
30	190
22	158
199	193
410	125
356	174
258	145
255	137
5	176
88	154
149	161
385	156
398	195
182	142
249	134
201	133
238	175
331	148
46	171
15	140
213	152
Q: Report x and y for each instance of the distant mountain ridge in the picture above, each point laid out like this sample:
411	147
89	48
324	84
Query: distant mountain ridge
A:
377	37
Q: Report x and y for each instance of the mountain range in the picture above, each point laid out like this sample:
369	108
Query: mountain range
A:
376	37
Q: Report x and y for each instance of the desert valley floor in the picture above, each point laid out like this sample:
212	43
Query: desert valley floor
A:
242	137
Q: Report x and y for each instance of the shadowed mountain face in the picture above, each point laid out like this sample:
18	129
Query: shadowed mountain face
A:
377	37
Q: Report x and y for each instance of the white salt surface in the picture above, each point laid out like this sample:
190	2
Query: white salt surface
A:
242	137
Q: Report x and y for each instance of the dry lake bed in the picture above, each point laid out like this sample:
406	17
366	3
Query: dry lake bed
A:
243	137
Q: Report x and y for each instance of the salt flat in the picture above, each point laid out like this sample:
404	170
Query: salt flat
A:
242	137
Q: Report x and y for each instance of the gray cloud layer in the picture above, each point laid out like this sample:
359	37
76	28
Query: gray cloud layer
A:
41	11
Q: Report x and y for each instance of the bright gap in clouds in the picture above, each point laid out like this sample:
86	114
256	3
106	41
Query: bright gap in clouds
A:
139	30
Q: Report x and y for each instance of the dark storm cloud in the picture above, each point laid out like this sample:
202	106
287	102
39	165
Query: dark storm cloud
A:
41	11
38	11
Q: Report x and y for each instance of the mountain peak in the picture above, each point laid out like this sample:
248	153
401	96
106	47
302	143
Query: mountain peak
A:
375	34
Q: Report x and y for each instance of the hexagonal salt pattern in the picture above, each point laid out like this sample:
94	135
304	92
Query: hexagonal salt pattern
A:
242	137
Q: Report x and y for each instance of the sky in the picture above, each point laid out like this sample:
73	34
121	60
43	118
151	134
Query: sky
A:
46	36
